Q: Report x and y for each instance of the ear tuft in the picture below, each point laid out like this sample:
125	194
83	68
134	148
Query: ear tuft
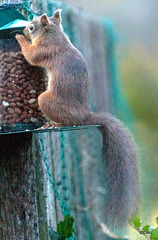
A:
44	20
57	15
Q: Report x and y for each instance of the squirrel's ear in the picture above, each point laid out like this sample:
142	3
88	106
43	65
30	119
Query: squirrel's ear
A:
57	15
44	20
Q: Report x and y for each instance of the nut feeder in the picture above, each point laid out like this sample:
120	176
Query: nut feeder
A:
20	83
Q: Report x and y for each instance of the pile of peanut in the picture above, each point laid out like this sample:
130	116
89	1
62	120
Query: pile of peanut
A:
20	86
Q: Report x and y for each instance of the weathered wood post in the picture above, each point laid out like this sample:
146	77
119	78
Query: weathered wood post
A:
43	173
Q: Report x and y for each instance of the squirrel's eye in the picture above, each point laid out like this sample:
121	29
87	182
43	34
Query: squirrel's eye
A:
31	27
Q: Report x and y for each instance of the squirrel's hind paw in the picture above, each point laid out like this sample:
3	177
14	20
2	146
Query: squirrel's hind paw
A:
51	125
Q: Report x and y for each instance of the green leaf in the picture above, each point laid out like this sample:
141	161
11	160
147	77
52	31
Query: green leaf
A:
154	234
65	228
157	220
136	221
146	228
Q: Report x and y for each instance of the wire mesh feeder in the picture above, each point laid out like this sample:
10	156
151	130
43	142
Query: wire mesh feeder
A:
20	83
21	6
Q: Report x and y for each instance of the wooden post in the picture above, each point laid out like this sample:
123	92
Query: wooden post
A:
24	197
18	201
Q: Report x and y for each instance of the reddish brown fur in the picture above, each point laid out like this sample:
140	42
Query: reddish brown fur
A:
66	101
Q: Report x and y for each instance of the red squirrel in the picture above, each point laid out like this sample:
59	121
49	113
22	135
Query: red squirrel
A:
65	102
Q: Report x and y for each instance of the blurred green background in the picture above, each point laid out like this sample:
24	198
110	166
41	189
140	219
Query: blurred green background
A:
137	50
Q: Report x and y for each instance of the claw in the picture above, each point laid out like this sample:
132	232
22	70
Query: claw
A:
51	125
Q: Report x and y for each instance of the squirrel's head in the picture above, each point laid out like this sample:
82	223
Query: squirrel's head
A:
42	24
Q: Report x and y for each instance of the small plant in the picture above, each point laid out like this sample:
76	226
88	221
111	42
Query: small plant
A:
136	223
65	228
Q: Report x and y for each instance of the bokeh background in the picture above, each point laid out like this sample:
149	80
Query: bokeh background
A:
137	58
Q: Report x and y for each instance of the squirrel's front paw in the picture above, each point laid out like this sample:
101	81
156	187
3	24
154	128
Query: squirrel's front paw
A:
20	38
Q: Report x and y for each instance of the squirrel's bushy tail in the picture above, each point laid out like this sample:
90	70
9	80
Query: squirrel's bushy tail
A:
120	167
